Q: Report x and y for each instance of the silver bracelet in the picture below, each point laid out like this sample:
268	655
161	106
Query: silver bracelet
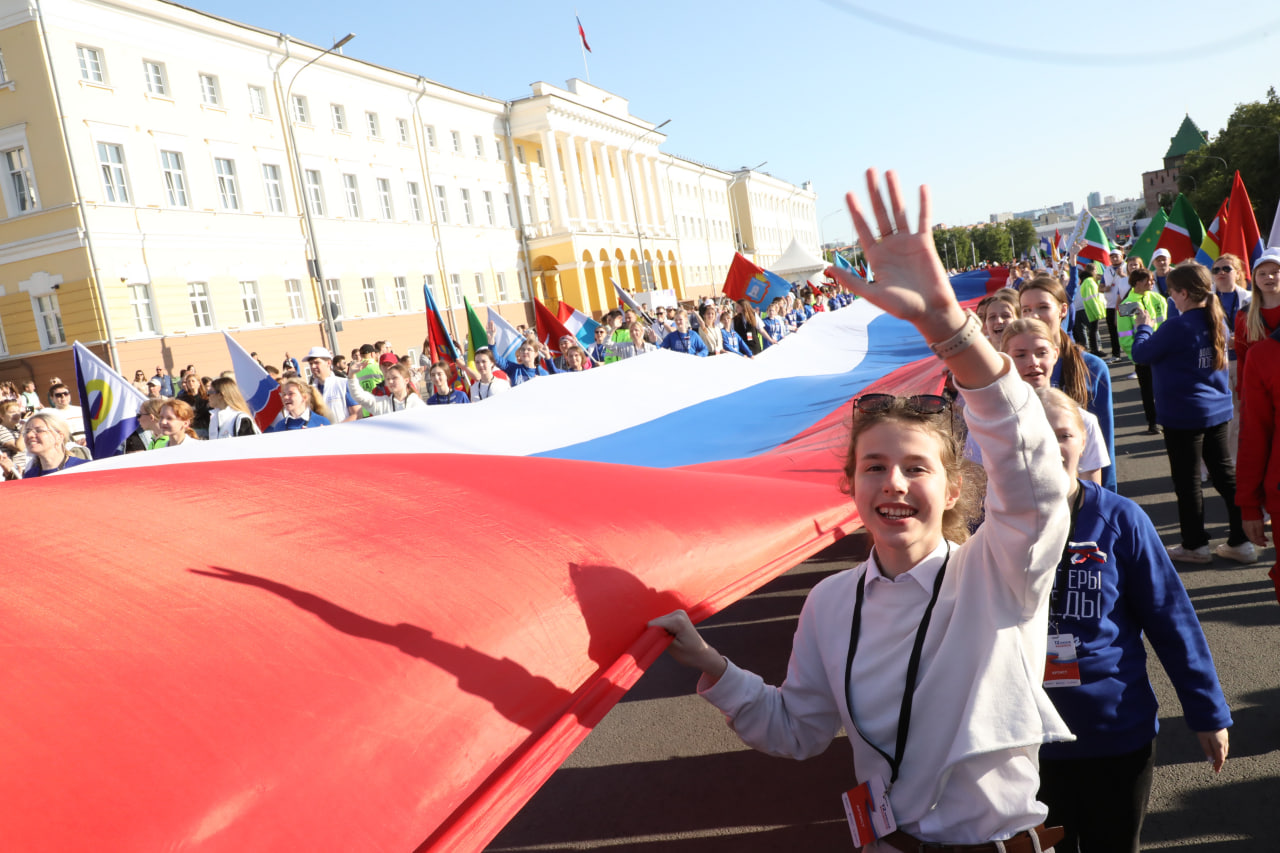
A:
961	340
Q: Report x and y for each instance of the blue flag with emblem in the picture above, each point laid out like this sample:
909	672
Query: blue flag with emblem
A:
109	404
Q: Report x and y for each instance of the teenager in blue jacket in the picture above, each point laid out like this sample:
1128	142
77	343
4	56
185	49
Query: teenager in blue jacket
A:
683	339
525	367
1188	358
1115	584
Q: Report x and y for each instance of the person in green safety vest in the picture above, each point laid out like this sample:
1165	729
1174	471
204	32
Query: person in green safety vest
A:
1089	304
1141	292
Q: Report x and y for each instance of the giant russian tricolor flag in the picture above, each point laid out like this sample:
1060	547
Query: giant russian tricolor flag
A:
278	683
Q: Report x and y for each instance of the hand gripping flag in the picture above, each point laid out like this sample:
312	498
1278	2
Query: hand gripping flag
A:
506	339
260	391
107	400
748	281
1211	246
1183	233
1241	237
440	347
1145	246
550	329
579	325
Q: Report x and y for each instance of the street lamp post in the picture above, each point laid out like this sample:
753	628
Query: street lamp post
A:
330	329
646	277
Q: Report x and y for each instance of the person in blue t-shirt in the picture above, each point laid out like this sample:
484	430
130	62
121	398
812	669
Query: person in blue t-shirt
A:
442	391
46	438
304	408
1188	358
526	366
683	339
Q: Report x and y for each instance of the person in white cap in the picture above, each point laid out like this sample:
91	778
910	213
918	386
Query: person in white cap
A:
332	388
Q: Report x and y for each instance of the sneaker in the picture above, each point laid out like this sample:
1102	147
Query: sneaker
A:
1133	375
1153	430
1245	552
1190	555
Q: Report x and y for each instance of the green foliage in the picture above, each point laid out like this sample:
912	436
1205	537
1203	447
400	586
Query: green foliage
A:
958	247
1250	143
1024	236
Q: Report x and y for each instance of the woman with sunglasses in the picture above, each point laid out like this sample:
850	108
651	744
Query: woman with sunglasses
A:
1227	273
929	654
1115	585
46	437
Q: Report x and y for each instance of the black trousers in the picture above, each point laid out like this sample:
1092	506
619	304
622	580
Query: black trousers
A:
1148	392
1084	326
1185	448
1114	333
1100	802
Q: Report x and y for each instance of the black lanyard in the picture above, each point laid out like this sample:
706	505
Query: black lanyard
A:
1065	561
913	670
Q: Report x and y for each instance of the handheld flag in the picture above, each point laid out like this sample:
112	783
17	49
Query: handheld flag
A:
747	281
1211	246
1145	246
550	330
109	403
582	34
628	300
506	340
843	263
1273	240
1183	233
477	338
260	391
579	325
1097	247
1241	236
440	347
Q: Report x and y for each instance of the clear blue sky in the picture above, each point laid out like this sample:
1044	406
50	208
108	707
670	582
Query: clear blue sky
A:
1006	105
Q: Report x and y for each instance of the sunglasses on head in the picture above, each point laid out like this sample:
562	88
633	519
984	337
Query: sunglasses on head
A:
919	404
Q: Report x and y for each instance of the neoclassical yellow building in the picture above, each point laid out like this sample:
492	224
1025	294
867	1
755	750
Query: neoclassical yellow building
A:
169	175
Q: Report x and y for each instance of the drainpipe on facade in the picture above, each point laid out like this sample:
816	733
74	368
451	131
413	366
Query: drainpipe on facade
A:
75	186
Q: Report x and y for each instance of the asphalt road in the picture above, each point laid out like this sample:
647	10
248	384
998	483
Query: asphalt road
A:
663	773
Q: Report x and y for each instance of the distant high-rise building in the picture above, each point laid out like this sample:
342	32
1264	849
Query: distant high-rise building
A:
1095	199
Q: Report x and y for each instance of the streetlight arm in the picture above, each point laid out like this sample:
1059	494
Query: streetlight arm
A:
337	44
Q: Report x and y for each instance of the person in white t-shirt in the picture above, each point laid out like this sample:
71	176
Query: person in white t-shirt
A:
333	388
1114	288
484	384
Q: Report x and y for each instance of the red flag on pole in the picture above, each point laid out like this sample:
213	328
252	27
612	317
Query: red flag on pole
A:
582	34
550	330
1241	236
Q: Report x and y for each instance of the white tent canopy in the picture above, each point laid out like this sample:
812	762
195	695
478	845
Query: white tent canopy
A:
797	263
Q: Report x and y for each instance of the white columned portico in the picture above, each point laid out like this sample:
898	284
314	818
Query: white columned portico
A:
620	167
591	187
664	203
609	212
646	192
556	191
576	203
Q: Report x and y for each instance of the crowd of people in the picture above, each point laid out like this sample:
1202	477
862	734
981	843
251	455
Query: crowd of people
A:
374	380
929	655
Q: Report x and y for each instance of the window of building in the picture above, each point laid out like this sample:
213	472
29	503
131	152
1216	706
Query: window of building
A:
500	147
315	192
144	315
501	280
257	100
466	208
301	112
442	205
546	209
488	207
293	290
402	128
481	296
528	209
339	115
524	288
415	201
402	293
457	141
209	90
455	287
370	290
22	195
384	198
175	178
227	192
352	192
4	76
431	137
511	210
4	346
520	154
372	124
201	308
480	147
273	186
49	320
249	302
333	295
114	183
91	67
541	162
429	282
155	77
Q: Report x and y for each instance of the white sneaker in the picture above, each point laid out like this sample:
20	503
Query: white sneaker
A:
1245	552
1190	555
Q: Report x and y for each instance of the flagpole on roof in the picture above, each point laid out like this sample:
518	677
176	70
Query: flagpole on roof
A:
582	45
